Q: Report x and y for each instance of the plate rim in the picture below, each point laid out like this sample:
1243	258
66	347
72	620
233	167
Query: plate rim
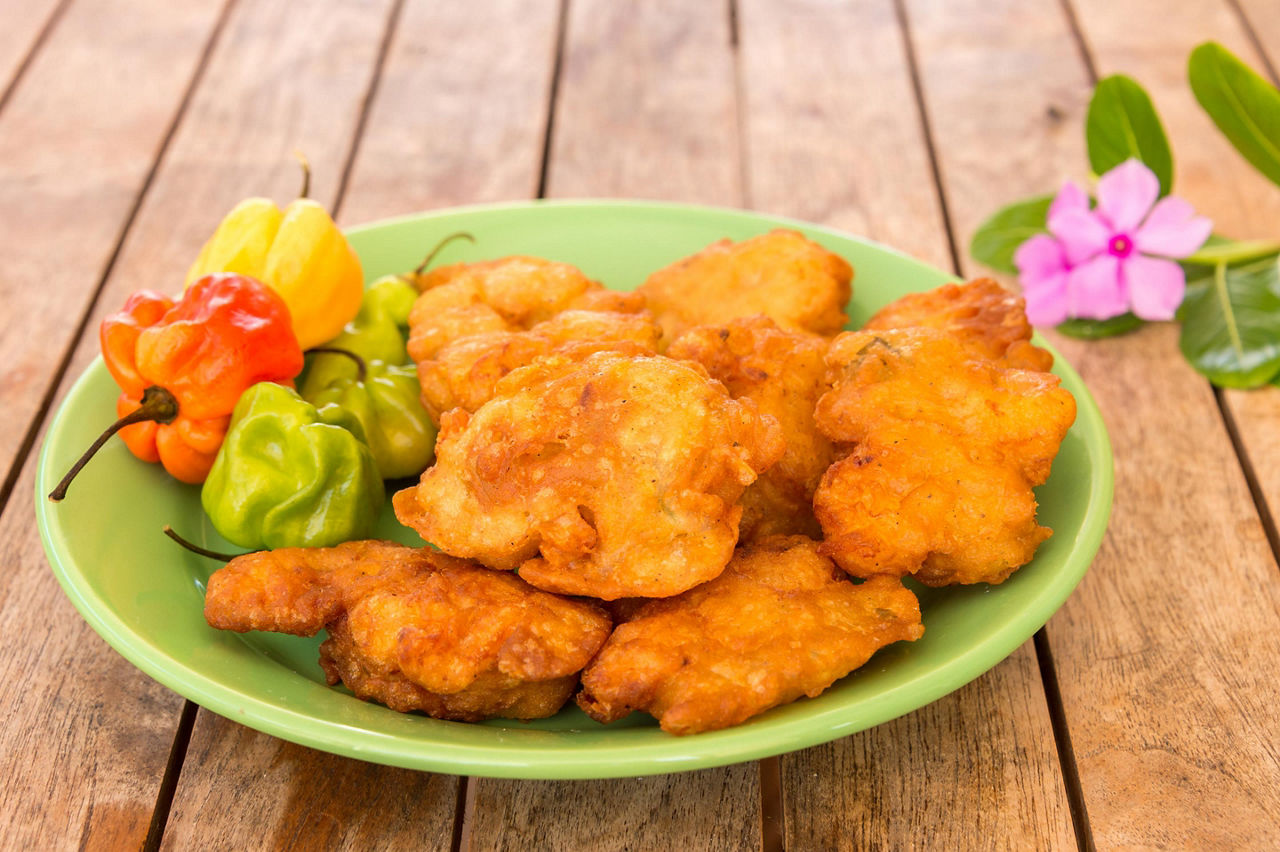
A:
716	748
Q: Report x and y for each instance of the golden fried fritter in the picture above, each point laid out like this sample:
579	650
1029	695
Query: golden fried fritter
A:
414	629
781	274
781	622
463	373
476	322
783	373
981	312
607	476
942	448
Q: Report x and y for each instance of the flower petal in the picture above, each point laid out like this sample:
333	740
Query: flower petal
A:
1172	230
1083	234
1156	286
1095	290
1126	193
1047	300
1038	258
1070	197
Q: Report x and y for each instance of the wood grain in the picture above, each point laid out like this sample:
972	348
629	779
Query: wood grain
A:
647	106
709	809
834	135
86	735
273	794
1157	651
1263	18
24	21
75	149
832	132
461	111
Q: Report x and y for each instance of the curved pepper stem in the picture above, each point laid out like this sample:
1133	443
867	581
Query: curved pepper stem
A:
306	173
157	404
362	369
426	261
201	551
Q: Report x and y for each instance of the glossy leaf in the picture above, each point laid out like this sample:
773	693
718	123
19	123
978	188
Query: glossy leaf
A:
1219	250
996	239
1231	323
1245	107
1087	329
1121	124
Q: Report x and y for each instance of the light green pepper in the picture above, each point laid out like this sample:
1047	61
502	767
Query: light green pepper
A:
289	475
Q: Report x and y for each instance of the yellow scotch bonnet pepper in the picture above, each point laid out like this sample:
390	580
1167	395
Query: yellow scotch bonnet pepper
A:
298	252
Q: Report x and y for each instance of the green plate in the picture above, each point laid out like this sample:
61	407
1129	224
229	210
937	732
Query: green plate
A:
144	595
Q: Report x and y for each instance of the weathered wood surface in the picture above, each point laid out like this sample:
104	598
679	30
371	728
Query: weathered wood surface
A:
830	107
803	107
86	735
1156	650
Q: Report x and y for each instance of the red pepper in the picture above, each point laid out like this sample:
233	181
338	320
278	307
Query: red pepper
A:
182	367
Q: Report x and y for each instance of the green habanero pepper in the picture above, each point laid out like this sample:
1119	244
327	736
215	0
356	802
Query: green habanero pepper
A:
375	334
289	475
385	398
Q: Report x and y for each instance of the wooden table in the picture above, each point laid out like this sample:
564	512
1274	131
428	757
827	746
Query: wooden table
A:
1143	716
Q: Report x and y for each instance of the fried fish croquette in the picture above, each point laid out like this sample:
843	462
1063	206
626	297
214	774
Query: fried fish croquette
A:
781	622
781	274
475	322
783	373
414	629
982	313
608	476
463	373
941	450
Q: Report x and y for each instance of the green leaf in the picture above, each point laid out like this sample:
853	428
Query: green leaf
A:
1245	107
1122	124
1232	252
1086	329
1231	324
996	239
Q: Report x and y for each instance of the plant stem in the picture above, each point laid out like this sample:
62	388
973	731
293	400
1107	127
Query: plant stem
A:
195	548
157	405
362	369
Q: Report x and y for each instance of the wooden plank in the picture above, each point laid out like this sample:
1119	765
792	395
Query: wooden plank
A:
647	104
1262	17
709	809
1156	658
86	736
24	22
398	167
66	186
258	792
675	59
834	134
461	111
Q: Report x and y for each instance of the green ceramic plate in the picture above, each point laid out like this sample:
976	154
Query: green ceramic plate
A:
144	595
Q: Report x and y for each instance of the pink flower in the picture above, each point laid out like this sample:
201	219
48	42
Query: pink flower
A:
1114	258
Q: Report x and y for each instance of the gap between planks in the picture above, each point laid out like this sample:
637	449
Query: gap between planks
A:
1048	674
42	35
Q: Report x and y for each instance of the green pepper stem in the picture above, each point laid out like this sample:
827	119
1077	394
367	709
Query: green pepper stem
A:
197	549
306	173
362	369
157	405
426	261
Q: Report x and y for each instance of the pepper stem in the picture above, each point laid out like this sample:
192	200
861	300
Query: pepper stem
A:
362	369
306	172
157	405
195	548
426	261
